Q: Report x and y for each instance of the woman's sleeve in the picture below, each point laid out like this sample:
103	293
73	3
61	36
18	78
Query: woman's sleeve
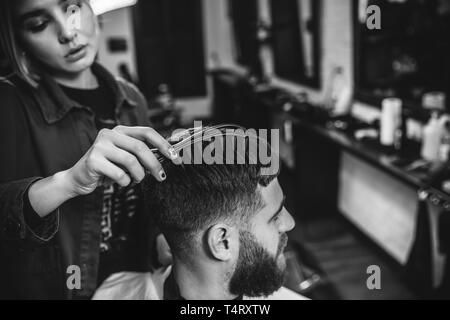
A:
15	175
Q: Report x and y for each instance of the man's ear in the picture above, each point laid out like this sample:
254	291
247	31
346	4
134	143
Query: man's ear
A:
220	241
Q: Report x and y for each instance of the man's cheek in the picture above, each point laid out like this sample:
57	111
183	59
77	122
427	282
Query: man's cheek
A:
281	261
275	247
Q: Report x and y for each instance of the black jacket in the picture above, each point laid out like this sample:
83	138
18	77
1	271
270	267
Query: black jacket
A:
43	132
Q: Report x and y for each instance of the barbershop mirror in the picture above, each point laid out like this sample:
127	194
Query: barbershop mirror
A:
296	40
244	19
293	35
407	55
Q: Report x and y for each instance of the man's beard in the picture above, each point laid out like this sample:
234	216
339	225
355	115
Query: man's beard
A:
257	273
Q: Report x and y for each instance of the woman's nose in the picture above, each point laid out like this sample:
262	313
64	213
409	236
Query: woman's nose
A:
66	35
66	30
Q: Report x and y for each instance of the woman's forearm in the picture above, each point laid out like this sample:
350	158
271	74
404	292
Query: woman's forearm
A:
49	194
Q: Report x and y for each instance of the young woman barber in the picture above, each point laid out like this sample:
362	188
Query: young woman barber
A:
74	146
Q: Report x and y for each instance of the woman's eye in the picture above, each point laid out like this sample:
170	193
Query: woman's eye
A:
38	26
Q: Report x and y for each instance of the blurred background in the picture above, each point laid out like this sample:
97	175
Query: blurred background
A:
359	90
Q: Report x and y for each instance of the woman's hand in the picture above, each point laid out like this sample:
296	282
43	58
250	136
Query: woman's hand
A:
121	155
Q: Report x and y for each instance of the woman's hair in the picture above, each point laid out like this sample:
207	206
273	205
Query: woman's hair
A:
18	61
10	46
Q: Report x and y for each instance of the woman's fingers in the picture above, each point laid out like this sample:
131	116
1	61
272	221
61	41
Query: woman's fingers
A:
136	148
127	161
152	137
113	172
121	155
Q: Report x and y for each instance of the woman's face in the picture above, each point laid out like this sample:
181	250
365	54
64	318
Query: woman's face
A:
65	43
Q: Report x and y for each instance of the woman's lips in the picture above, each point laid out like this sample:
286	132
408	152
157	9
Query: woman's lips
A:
76	54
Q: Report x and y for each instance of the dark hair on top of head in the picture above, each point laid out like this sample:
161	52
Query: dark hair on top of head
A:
196	196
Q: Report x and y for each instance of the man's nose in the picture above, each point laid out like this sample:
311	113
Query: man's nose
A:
288	222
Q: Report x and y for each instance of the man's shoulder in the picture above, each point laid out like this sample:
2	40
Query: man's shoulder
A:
133	286
150	286
281	294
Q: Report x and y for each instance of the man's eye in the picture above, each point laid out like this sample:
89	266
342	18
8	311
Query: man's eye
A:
277	217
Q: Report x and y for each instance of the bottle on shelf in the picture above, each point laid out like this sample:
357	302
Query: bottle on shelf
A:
391	122
339	96
432	138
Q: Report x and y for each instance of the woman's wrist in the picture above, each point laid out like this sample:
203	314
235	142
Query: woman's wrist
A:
49	194
63	180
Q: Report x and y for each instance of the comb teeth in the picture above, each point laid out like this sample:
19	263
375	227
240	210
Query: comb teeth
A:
194	135
200	134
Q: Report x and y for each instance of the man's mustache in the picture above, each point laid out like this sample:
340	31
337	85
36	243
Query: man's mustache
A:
282	244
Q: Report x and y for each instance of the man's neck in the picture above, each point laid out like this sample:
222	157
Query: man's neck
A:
83	80
201	283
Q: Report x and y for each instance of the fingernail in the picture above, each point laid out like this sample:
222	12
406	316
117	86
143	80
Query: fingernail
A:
162	175
173	154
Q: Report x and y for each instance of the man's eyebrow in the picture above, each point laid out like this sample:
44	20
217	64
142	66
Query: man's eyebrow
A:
36	13
279	209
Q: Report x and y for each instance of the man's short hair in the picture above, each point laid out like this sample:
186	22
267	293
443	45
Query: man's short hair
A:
196	196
